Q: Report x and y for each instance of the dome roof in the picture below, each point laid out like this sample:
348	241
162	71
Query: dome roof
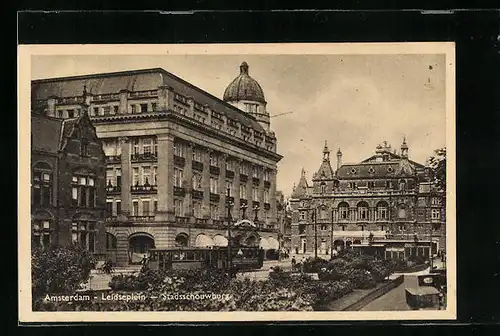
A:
244	87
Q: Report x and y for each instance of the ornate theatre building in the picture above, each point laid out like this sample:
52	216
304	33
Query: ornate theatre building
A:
385	204
178	158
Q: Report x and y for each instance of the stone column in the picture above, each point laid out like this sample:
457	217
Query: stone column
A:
165	98
272	197
236	190
222	186
191	106
261	196
206	183
126	196
123	109
51	106
188	177
250	213
165	177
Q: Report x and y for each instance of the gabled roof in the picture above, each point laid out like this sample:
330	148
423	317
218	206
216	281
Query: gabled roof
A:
325	172
51	134
137	80
301	190
45	133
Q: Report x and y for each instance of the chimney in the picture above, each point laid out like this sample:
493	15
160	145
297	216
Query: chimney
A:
339	159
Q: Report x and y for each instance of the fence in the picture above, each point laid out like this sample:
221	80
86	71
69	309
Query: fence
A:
375	294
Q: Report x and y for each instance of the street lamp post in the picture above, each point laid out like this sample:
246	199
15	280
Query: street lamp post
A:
331	237
229	204
315	235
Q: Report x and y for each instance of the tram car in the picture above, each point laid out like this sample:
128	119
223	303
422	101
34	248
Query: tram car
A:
243	258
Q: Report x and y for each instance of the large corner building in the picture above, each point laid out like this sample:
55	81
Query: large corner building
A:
174	152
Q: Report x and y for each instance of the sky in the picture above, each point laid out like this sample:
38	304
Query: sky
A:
354	102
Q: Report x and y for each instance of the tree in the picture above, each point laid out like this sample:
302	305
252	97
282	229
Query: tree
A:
437	163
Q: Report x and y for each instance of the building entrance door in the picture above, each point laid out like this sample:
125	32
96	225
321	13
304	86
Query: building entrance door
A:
303	245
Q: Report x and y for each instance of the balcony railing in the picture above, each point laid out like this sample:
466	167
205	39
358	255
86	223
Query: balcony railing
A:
267	184
214	170
179	161
182	219
218	222
197	194
229	173
143	218
243	201
255	180
196	165
202	221
214	197
243	177
143	157
112	189
179	191
113	158
267	206
143	188
255	204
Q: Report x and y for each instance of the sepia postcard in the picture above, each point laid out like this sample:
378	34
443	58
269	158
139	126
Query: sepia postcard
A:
237	182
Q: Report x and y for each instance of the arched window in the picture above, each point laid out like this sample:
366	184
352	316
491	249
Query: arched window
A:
323	187
382	210
362	211
83	232
42	184
181	239
343	210
323	213
402	213
83	192
402	184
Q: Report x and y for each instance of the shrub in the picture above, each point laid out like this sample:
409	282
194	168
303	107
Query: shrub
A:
314	265
59	269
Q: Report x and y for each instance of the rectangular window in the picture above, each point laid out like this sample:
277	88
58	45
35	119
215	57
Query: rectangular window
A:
302	216
266	175
135	208
352	185
153	106
136	146
115	109
178	207
146	175
229	186
135	176
82	181
145	208
118	177
197	179
436	214
179	149
155	175
155	206
133	108
371	184
229	165
214	185
435	201
110	177
147	146
214	160
178	177
266	196
118	207
109	207
255	194
106	110
144	108
243	191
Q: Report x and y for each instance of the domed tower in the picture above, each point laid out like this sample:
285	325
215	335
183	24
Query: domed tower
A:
245	93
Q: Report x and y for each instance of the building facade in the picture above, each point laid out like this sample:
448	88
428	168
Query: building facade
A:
385	203
68	170
177	158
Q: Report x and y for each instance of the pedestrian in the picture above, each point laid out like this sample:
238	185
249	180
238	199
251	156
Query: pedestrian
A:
294	262
303	263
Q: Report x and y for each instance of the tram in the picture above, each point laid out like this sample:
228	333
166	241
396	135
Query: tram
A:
243	258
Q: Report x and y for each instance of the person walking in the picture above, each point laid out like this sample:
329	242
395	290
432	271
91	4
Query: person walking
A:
294	262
